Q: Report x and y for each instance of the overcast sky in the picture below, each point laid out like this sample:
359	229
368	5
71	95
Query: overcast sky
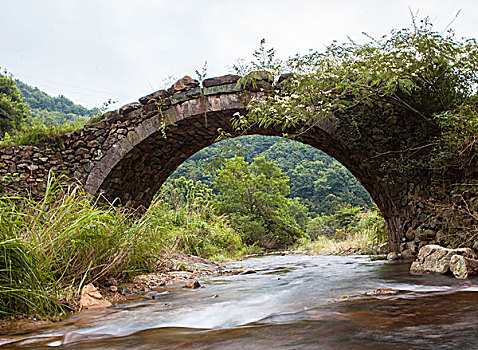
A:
94	50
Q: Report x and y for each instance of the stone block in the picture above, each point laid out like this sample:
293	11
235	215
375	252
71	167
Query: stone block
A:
427	234
157	95
186	95
285	77
258	86
221	89
223	80
130	107
184	84
408	254
410	234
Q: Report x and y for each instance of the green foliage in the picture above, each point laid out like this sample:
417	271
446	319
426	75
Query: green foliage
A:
330	225
50	247
373	225
349	230
190	222
22	281
349	221
255	196
31	117
317	180
12	110
187	194
432	76
458	144
37	133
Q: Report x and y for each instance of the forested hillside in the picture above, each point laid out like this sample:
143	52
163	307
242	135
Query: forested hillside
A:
53	110
318	180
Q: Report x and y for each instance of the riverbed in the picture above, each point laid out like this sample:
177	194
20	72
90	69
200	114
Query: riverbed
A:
290	302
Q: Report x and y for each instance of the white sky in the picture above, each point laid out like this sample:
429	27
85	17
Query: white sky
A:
93	50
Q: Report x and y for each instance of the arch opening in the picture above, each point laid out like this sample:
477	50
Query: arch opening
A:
139	166
315	178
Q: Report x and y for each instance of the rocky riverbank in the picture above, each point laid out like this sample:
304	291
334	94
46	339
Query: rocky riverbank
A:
179	268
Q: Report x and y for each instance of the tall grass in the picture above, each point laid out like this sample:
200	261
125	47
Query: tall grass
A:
53	246
23	284
192	225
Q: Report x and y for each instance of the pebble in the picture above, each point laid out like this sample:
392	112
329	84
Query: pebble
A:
124	291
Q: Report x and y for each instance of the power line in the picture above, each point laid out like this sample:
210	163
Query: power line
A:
76	87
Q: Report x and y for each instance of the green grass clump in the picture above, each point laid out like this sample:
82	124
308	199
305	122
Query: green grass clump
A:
40	134
50	248
347	230
22	281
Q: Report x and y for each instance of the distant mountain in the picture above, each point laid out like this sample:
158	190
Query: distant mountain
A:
53	110
318	180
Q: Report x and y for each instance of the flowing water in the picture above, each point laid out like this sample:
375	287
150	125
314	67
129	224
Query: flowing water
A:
291	302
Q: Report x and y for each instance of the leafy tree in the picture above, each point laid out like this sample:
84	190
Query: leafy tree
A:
43	117
344	217
422	74
12	110
316	179
255	195
187	194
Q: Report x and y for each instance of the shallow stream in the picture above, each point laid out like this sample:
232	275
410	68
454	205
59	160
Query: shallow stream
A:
291	302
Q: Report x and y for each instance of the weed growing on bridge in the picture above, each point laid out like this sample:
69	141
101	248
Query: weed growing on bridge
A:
430	75
39	134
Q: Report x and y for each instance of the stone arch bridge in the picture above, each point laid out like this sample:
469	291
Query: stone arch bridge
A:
128	154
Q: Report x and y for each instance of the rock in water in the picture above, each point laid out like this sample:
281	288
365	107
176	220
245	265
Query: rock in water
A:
392	256
124	291
92	299
436	259
192	285
463	267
